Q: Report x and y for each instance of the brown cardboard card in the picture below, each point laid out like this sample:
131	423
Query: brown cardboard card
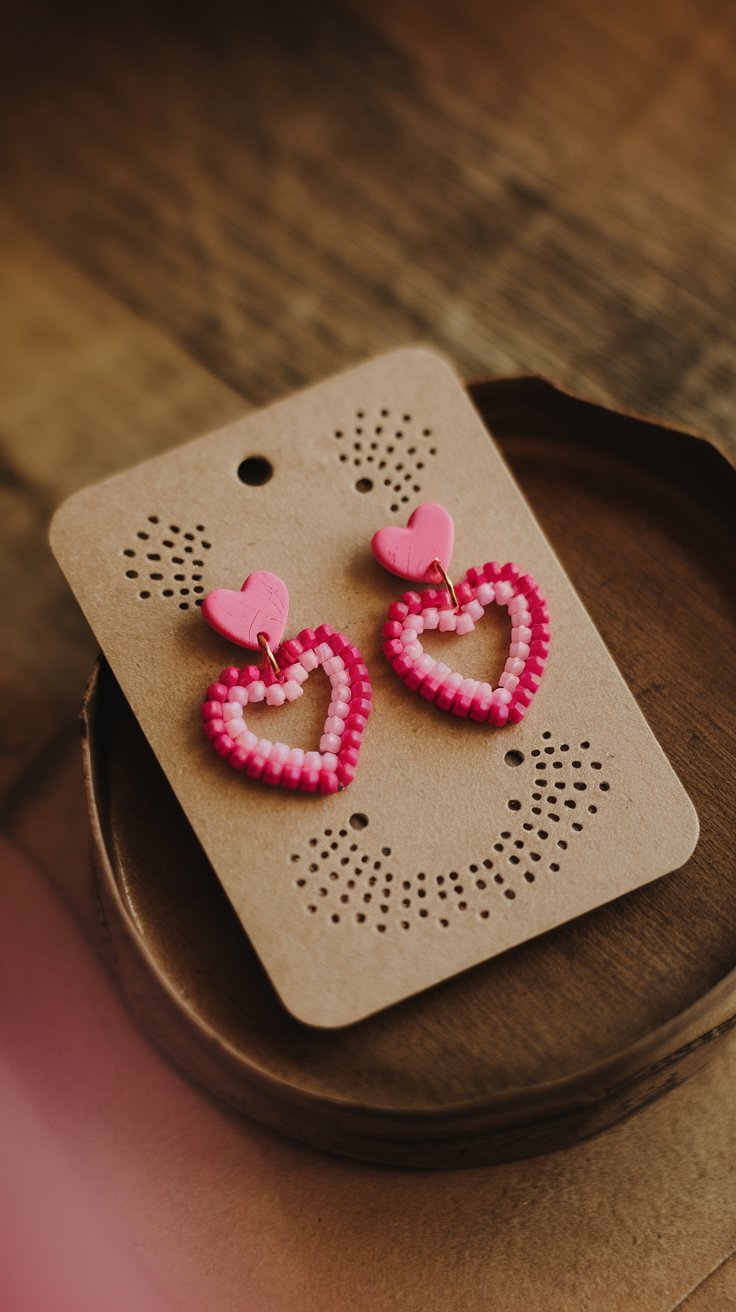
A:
456	840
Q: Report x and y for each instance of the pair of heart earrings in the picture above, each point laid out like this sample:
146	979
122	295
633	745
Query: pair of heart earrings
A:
255	618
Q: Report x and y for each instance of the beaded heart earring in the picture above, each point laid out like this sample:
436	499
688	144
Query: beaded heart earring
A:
255	618
422	552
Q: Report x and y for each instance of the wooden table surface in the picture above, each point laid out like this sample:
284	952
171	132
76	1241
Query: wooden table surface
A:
205	207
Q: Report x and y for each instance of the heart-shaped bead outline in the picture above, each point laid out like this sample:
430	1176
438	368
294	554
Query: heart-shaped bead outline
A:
328	770
506	585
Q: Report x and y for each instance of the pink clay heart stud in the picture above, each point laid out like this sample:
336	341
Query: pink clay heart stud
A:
261	606
411	552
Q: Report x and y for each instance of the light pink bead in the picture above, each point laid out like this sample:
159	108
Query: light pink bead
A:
414	622
522	617
338	708
248	740
453	679
297	672
520	649
308	661
341	692
231	711
509	681
485	692
504	592
431	617
329	742
280	752
426	664
474	609
333	724
469	687
296	756
517	603
236	728
313	761
514	666
292	690
264	747
464	623
407	637
333	665
486	594
521	633
329	761
256	691
323	652
414	651
275	695
501	697
237	694
448	620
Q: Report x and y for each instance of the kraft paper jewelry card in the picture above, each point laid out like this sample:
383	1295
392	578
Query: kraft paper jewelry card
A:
383	708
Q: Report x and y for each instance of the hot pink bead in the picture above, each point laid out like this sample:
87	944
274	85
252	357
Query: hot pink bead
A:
309	782
430	597
474	576
516	713
534	663
391	629
540	614
291	650
415	678
224	744
217	692
541	632
393	648
461	706
498	714
464	593
491	570
356	722
349	755
328	782
247	675
307	638
445	697
529	679
329	742
213	728
272	771
324	632
291	775
359	670
212	710
479	708
413	602
430	687
398	611
522	697
345	773
351	739
510	571
230	676
360	706
238	758
338	643
362	688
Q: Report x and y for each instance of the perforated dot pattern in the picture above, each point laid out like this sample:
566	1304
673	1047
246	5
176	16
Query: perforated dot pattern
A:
386	452
345	877
169	561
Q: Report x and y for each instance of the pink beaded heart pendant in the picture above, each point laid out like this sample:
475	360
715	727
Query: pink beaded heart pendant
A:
258	620
456	609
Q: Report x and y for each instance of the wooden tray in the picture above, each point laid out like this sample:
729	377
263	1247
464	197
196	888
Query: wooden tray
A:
567	1034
